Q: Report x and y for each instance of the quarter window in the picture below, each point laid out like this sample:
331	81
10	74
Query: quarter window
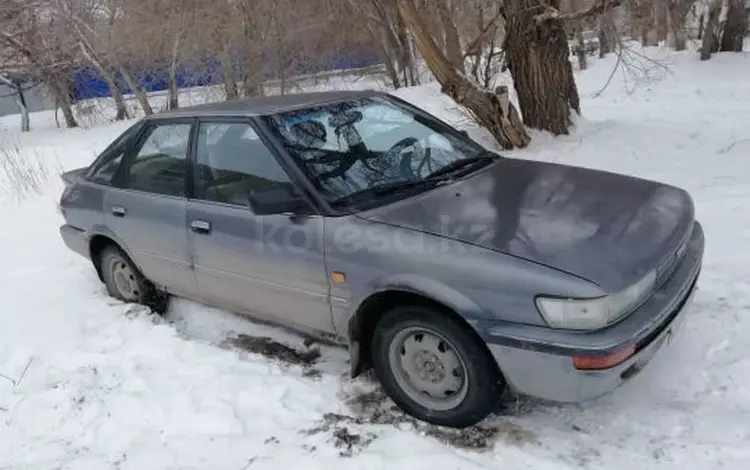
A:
160	164
232	162
106	172
106	165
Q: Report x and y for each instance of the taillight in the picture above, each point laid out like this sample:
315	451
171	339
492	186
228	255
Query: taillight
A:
63	198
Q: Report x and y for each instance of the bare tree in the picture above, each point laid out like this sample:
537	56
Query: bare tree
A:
491	109
38	45
82	17
726	25
579	48
20	101
388	30
182	14
677	11
735	27
660	8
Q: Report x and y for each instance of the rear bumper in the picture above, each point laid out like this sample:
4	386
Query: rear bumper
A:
75	239
544	368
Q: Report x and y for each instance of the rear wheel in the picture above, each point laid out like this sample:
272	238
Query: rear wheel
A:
125	282
434	368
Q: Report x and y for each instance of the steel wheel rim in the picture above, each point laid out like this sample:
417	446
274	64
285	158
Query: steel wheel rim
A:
428	368
125	281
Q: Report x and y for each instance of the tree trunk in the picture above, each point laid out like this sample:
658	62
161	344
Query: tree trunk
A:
120	106
603	35
721	23
580	48
676	14
227	70
491	110
660	7
403	48
251	77
138	91
390	64
107	76
735	28
450	32
21	102
59	90
709	35
537	57
643	21
646	22
411	63
174	101
114	90
173	94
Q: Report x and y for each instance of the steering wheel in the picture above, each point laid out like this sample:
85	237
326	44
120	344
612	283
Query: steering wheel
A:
406	164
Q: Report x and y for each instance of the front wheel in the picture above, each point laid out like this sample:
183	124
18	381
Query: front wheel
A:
125	282
434	368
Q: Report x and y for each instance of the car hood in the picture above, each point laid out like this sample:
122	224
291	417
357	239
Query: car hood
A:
607	228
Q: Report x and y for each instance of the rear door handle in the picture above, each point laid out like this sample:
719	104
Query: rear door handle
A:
118	211
200	226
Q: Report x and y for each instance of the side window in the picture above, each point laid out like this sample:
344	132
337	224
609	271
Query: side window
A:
232	162
160	164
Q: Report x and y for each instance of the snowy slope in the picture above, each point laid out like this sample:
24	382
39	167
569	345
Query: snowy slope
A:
93	384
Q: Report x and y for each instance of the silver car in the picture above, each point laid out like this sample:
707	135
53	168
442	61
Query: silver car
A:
455	273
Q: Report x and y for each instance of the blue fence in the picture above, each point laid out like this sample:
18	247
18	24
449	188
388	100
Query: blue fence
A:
87	83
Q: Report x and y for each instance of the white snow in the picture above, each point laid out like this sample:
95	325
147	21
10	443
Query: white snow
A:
89	383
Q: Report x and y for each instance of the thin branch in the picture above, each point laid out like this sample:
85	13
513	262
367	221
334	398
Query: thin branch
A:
612	74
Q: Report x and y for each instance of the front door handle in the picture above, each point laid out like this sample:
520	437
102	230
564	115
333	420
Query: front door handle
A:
200	226
118	211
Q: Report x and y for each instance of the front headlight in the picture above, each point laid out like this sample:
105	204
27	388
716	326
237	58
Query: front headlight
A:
591	314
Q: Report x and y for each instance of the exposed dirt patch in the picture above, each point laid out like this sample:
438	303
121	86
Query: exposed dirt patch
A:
374	407
483	436
275	350
348	441
280	352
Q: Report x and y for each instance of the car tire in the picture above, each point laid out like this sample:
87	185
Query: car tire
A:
434	368
126	283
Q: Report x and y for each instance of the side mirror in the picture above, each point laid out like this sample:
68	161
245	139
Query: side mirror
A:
464	133
278	200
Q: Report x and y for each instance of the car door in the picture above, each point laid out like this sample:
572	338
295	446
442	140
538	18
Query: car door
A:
271	266
146	208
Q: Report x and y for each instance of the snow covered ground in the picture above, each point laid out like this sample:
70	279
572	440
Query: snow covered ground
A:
88	383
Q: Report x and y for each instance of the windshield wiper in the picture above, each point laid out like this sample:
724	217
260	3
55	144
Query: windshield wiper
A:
484	159
388	189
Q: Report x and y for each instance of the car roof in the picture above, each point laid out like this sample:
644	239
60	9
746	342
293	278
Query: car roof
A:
266	105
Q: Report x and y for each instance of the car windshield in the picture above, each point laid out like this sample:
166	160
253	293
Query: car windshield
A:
360	147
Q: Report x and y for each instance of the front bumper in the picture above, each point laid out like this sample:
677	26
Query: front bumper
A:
540	364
